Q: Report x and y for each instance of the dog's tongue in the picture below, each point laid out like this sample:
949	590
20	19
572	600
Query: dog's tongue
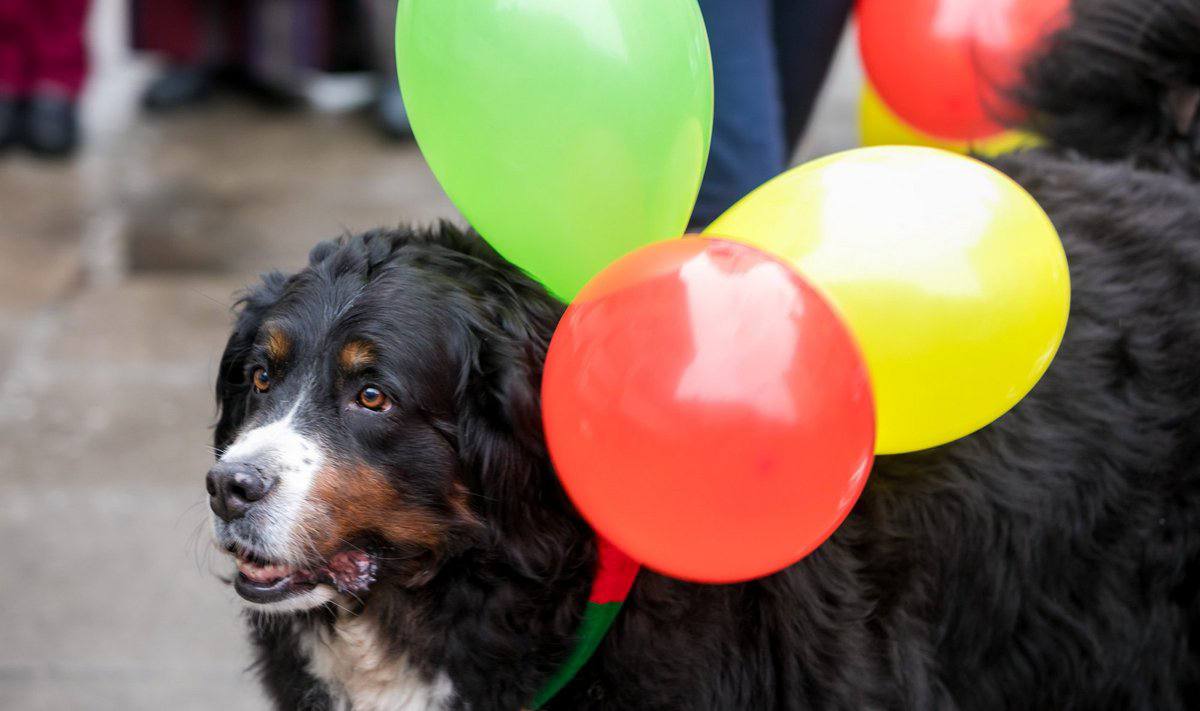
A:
348	571
264	574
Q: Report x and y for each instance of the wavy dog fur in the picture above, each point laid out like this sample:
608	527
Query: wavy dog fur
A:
1049	561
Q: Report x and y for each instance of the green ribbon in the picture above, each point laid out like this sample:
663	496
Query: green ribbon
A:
597	619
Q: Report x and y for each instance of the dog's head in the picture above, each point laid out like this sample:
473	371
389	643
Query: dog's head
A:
379	415
1122	81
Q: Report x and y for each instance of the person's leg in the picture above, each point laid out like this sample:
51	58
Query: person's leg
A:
189	35
381	19
286	41
58	67
14	81
176	29
59	57
748	146
806	37
15	16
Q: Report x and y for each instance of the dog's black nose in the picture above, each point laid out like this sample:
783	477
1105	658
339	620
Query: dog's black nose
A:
233	487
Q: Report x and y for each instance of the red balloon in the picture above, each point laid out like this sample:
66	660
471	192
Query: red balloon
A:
943	65
707	411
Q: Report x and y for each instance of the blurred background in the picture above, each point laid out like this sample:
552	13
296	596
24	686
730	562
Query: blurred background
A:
118	268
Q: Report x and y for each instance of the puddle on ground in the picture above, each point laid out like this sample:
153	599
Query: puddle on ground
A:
184	228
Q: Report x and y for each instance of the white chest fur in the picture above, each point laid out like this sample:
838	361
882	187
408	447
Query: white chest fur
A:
361	675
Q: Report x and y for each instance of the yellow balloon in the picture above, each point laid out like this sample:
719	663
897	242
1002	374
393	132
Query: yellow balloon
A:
949	274
880	126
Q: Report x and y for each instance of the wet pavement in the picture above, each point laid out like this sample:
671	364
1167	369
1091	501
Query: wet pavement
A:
117	271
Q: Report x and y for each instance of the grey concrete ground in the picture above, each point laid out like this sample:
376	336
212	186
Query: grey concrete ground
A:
116	276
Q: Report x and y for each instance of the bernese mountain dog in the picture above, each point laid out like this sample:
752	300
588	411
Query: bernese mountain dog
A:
402	542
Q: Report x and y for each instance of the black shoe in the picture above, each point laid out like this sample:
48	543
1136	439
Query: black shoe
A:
392	116
177	88
265	94
10	120
51	125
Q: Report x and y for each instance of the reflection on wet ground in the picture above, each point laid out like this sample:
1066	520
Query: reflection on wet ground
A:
116	276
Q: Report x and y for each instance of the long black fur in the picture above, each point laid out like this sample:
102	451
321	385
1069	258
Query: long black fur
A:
1120	84
1050	561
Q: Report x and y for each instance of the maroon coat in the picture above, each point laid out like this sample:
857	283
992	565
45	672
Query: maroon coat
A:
274	41
41	46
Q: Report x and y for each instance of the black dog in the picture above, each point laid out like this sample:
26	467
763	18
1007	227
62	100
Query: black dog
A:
385	487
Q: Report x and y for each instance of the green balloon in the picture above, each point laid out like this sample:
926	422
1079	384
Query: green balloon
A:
568	132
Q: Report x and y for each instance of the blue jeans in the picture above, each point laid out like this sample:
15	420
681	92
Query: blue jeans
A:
770	58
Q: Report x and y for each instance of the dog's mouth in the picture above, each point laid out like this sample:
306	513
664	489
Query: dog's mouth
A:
263	582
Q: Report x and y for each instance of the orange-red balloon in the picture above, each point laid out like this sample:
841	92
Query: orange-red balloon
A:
944	65
707	411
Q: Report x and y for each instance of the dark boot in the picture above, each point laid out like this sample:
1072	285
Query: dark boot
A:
178	88
391	114
51	125
10	120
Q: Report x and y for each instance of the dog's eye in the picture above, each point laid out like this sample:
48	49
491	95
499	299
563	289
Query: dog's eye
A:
261	379
372	398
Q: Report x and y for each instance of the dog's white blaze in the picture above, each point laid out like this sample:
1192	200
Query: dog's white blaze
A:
280	449
362	675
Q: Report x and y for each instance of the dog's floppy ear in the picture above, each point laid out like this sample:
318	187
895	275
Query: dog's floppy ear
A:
499	432
232	383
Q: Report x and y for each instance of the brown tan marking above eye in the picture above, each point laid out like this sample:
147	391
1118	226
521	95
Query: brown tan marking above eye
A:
356	355
279	345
